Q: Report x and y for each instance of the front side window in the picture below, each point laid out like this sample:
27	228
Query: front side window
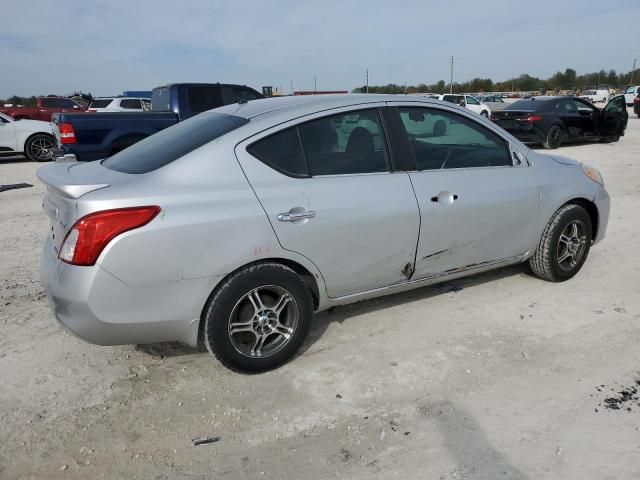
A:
472	101
444	140
100	103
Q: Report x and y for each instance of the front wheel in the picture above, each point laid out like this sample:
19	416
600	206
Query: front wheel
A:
564	245
39	148
554	137
258	318
484	113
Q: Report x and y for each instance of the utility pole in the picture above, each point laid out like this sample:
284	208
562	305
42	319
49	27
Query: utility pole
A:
633	70
367	80
315	83
451	78
291	82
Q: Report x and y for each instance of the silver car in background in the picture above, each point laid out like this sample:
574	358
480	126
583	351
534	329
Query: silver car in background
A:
232	228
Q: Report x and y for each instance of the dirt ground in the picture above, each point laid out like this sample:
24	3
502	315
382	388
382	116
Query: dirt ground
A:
495	376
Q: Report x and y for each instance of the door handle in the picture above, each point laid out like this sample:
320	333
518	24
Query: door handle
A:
445	198
296	215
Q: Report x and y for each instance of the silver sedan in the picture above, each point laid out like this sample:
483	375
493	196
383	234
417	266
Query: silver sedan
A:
232	228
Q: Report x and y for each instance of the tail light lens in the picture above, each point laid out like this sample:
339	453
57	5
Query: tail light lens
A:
530	119
91	234
636	100
67	134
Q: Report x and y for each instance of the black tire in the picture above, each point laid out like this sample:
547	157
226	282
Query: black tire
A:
39	148
552	248
554	137
232	297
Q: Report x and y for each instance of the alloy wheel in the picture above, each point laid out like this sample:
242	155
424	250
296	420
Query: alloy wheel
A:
571	245
41	149
263	321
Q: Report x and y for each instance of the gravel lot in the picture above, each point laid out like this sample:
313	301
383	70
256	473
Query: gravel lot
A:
495	376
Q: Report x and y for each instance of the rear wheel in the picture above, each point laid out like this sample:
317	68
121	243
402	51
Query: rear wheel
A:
39	148
564	245
554	137
258	318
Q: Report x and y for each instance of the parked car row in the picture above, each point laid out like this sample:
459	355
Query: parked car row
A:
262	213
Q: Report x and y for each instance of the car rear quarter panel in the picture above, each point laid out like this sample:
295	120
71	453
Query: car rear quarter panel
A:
211	222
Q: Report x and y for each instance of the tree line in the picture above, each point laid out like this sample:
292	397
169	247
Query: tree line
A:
567	80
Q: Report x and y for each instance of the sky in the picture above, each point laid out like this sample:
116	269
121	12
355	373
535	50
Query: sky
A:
108	46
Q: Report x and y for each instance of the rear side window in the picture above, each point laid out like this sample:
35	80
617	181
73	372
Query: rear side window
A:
441	139
49	103
172	143
201	99
347	143
283	152
100	103
134	104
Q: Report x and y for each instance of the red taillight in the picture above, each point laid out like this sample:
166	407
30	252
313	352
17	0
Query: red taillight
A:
67	134
530	119
89	235
636	100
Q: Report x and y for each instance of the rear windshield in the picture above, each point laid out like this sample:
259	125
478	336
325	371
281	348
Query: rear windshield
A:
529	105
101	103
172	143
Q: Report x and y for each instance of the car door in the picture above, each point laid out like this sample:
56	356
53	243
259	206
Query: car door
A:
48	106
613	117
588	117
478	197
7	135
328	189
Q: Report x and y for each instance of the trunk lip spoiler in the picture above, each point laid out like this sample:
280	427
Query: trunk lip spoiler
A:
60	184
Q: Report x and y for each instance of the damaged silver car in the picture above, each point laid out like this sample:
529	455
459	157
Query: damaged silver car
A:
232	228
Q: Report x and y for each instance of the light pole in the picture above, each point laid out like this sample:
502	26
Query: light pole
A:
451	77
633	70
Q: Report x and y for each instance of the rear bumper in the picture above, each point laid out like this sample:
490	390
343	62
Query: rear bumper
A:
526	133
99	308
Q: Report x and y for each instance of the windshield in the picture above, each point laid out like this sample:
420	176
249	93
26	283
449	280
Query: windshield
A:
172	143
630	90
590	92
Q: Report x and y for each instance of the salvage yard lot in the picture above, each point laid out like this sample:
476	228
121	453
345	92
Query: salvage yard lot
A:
495	376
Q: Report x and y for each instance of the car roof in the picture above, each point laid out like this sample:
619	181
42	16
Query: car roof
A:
307	104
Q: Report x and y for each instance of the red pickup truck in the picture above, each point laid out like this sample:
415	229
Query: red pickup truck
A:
45	107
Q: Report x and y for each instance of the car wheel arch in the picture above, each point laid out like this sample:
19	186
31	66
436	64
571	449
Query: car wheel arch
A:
26	140
591	209
307	276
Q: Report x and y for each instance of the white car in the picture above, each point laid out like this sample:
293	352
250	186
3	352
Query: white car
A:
594	96
119	104
467	101
630	94
32	138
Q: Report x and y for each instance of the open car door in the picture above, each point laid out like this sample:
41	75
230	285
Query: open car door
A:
613	118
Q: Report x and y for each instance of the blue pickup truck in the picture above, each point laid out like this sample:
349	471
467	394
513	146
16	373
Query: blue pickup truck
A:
92	136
